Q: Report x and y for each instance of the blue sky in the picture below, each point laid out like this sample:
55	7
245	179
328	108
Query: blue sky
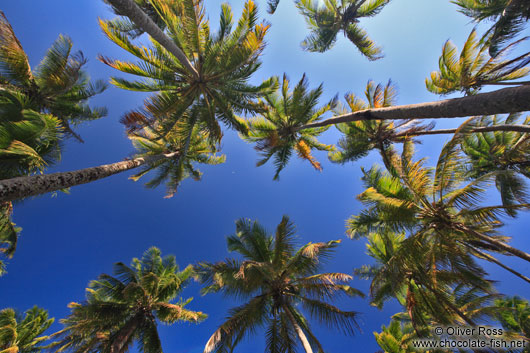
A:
69	240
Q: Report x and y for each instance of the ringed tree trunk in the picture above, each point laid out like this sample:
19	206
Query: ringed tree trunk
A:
506	100
140	19
20	187
298	329
514	128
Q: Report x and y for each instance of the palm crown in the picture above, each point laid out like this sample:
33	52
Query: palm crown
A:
23	333
325	22
474	67
361	137
509	17
125	308
276	131
223	64
58	85
437	208
276	276
505	152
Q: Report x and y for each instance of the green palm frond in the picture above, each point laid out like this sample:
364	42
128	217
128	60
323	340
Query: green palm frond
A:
509	16
325	23
123	309
474	67
24	333
276	132
225	62
274	276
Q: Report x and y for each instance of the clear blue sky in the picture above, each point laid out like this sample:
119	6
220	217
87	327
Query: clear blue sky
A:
69	240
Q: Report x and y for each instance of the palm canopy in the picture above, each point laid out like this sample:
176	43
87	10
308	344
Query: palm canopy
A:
23	333
224	62
125	308
435	203
276	131
362	136
189	144
509	16
515	315
425	272
325	23
475	67
507	153
58	86
276	277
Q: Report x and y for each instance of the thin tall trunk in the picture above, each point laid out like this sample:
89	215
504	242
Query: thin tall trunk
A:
140	19
515	128
298	329
123	336
499	244
490	258
506	100
20	187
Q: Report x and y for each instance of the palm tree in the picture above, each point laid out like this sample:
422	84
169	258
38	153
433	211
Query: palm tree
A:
216	74
29	141
438	205
395	338
274	130
504	152
360	137
125	308
509	16
129	28
276	278
24	333
474	68
514	316
171	155
337	16
58	86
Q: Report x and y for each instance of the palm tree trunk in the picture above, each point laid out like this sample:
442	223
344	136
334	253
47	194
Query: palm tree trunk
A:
21	187
515	128
499	244
298	329
490	258
506	100
140	19
119	343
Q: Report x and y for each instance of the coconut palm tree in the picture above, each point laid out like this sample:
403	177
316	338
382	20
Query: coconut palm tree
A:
360	137
395	338
24	333
509	16
276	277
29	141
474	68
325	23
274	130
435	203
212	70
172	156
127	27
124	309
58	86
505	152
514	316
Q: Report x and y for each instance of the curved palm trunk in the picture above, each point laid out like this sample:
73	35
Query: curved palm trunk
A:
20	187
506	100
140	19
298	329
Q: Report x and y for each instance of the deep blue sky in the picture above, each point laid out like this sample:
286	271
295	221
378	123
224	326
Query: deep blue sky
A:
69	240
